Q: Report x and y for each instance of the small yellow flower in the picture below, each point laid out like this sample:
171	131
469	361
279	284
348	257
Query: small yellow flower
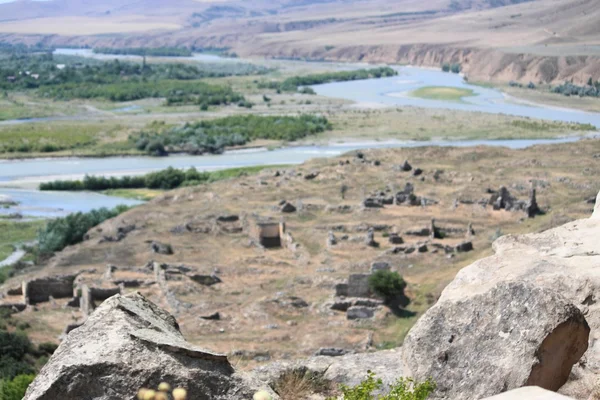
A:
164	387
262	395
149	395
179	394
141	393
161	396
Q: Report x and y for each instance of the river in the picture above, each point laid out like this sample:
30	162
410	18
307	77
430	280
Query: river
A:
19	179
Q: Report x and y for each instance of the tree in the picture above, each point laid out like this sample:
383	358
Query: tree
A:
389	285
446	67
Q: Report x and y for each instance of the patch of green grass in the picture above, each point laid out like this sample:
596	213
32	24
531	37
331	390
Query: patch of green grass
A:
136	194
13	233
48	137
241	171
442	93
541	126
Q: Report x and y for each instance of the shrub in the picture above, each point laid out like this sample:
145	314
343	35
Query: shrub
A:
403	389
455	68
446	67
300	383
389	285
15	389
62	232
212	136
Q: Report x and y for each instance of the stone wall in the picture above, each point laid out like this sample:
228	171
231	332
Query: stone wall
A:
41	289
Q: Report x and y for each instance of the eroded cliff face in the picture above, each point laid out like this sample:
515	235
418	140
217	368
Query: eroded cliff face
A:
478	64
523	316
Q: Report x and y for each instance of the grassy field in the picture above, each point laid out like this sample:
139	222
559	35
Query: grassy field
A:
13	233
542	95
442	93
136	194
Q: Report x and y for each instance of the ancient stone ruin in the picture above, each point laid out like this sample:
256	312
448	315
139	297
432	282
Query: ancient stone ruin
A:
268	234
503	200
42	289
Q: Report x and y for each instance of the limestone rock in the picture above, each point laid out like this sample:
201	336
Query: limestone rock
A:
162	248
288	207
129	343
512	335
380	266
597	207
331	352
206	280
405	166
348	369
360	312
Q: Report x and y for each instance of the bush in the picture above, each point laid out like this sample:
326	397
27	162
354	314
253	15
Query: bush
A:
62	232
292	84
389	285
455	68
212	136
446	67
15	389
403	389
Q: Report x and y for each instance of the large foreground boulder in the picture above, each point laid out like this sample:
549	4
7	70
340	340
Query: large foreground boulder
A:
129	343
511	308
513	335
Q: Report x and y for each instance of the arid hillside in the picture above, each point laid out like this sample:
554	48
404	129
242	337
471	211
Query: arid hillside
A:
539	41
258	291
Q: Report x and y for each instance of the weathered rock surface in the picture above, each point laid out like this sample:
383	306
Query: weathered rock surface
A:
597	207
513	335
129	343
349	369
517	309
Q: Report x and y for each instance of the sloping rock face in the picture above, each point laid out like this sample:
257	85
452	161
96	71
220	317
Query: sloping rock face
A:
516	318
516	334
597	207
129	343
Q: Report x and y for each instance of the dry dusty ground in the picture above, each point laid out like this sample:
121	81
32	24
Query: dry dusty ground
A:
254	297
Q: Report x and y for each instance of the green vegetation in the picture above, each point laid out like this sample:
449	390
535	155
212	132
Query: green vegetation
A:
403	389
19	358
13	233
146	51
388	285
569	89
442	93
169	178
543	126
12	49
176	92
141	194
47	137
67	78
454	68
212	136
292	84
15	389
62	232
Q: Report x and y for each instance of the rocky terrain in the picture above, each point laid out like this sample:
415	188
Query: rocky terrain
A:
275	265
523	316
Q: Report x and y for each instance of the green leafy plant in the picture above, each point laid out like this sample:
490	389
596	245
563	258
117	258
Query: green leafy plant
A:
402	389
15	389
389	285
